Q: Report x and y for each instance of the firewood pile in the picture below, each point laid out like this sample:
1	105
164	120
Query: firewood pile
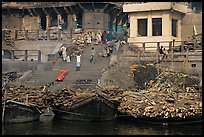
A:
172	94
65	98
81	40
9	40
34	96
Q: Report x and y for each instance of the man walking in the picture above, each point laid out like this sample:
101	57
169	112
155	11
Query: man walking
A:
92	56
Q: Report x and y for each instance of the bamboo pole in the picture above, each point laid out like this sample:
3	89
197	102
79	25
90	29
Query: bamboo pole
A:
3	113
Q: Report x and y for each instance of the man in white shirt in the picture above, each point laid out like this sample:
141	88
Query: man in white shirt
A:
78	64
64	52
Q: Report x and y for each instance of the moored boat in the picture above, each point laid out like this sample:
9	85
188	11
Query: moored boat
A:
197	119
94	108
17	112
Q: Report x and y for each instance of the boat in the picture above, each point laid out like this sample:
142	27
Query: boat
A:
17	112
190	120
94	108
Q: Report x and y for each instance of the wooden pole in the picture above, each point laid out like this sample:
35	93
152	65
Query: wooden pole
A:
4	106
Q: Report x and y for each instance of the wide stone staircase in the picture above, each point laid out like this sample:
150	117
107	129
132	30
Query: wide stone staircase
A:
89	71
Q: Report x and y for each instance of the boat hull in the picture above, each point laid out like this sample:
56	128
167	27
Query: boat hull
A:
16	112
164	121
95	108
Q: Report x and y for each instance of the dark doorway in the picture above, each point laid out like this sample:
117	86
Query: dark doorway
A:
43	22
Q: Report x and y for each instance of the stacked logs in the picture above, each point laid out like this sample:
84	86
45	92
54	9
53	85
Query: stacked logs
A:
152	104
65	98
81	40
34	96
7	33
41	97
171	94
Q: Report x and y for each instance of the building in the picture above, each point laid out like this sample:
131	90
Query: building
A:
45	15
153	22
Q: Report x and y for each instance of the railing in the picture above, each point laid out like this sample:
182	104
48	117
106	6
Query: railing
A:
49	34
26	55
150	51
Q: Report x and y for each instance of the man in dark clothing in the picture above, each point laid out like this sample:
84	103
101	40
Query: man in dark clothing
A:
161	53
161	50
104	37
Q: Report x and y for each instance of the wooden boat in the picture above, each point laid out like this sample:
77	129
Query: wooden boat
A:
95	108
17	112
163	121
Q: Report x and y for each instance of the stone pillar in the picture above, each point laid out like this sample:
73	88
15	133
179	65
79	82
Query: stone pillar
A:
71	21
133	26
59	18
179	29
149	26
48	21
166	24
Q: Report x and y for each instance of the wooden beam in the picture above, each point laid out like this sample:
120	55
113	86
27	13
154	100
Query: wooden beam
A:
66	10
71	9
81	7
45	11
93	5
111	8
35	11
56	11
30	12
104	8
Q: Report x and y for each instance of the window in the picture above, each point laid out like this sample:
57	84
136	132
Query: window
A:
174	27
142	27
157	26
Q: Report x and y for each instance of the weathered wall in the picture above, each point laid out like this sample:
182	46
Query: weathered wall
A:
95	20
187	23
30	23
12	22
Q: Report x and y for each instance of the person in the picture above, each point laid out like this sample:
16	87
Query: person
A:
68	58
104	37
64	52
68	55
78	64
117	46
98	38
107	51
165	53
89	39
92	56
161	53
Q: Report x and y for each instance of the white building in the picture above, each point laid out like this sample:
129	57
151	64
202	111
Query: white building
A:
155	22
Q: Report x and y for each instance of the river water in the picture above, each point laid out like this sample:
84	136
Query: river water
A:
47	125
